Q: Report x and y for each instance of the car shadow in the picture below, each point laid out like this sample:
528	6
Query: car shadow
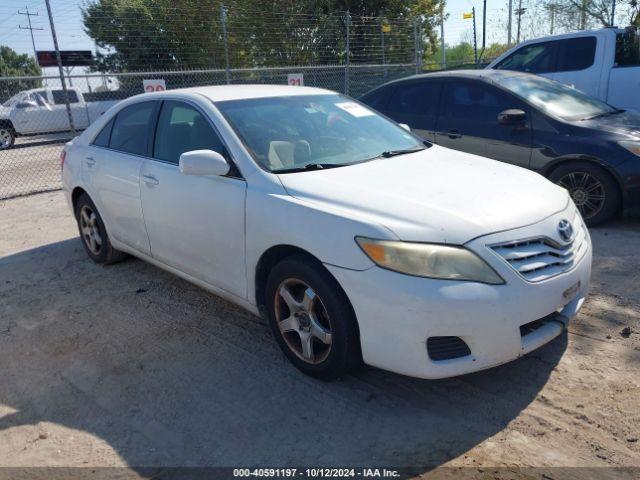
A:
169	375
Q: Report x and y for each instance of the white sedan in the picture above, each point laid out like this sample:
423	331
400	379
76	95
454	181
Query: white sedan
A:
357	240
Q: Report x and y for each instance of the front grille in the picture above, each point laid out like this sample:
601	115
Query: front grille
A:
540	258
446	348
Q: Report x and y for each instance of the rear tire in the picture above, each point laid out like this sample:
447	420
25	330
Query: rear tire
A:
312	319
594	191
7	137
93	233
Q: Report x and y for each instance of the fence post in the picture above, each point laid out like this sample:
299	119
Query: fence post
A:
60	70
347	50
442	47
475	38
223	19
416	45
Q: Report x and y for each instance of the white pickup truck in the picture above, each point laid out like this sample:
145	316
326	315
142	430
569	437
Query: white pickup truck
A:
602	63
43	110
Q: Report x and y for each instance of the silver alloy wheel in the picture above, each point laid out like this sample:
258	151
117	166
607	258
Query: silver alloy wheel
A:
5	138
303	321
90	230
586	191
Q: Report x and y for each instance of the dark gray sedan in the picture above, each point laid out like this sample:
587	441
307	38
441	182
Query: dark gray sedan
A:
587	146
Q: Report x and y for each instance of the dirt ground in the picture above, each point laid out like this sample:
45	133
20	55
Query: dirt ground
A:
127	365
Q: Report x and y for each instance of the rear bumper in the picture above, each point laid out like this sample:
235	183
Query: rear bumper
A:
397	314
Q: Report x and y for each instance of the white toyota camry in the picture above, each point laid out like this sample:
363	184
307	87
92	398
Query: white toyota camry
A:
357	240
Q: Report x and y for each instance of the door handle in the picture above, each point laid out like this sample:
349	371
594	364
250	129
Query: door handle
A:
91	161
453	134
150	180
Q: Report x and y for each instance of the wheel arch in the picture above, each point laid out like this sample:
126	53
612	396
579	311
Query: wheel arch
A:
75	194
578	158
5	122
595	161
268	260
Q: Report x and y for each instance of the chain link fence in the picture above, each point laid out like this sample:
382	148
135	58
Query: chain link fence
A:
175	47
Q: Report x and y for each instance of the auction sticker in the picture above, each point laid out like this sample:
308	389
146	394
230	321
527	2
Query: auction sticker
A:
354	109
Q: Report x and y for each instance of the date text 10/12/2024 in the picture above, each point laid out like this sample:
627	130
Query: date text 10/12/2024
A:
316	472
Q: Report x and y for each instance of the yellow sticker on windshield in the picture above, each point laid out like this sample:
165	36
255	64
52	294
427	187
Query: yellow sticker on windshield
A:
354	109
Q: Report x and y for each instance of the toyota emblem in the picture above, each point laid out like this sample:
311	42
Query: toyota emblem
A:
565	230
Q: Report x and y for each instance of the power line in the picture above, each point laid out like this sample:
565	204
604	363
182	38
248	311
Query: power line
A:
30	27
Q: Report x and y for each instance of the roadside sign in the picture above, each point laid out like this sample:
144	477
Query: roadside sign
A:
155	85
386	28
296	79
466	16
70	58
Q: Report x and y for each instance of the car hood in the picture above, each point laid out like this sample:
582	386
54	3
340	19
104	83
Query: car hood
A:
435	195
625	123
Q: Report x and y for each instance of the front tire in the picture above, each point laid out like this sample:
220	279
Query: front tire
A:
593	190
93	233
312	319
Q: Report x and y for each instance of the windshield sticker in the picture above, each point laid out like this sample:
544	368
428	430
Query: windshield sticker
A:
355	109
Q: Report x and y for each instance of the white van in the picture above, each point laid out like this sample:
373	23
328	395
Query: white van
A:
602	63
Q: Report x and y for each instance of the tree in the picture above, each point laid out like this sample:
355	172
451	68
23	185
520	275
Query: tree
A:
187	34
13	64
584	14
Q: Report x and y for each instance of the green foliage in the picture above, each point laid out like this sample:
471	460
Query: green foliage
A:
14	65
187	34
461	55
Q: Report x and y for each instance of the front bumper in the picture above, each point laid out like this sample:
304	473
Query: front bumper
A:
397	313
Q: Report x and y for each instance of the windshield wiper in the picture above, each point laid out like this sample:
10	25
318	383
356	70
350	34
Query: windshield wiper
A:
311	166
605	114
393	153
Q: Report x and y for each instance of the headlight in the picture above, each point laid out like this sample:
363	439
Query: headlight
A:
429	260
633	147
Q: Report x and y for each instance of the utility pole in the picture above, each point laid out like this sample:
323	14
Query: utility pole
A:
613	13
59	59
519	12
30	28
583	15
509	37
484	27
552	11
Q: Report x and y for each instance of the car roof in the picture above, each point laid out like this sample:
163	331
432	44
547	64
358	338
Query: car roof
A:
480	74
220	93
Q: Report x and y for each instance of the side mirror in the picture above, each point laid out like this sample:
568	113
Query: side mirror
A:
405	126
512	117
203	162
26	104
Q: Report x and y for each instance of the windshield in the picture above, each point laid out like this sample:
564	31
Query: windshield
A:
294	132
16	98
554	98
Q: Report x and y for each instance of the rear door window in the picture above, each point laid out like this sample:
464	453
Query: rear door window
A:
132	127
376	99
59	97
102	139
575	54
534	58
415	103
